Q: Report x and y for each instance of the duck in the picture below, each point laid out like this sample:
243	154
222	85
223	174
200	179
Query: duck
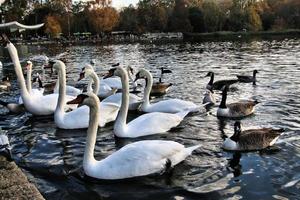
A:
5	85
218	85
146	124
142	158
248	79
166	106
14	108
251	139
242	108
79	117
209	98
35	104
5	148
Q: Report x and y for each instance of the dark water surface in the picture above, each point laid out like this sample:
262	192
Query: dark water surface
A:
52	158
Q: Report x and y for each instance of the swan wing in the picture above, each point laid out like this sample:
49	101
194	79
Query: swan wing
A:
172	106
152	123
114	82
108	112
140	159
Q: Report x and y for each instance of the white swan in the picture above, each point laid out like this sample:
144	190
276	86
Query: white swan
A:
168	106
104	90
32	91
87	71
115	82
136	159
37	105
147	124
70	90
77	118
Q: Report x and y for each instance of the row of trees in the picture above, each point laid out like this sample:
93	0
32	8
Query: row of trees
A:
155	15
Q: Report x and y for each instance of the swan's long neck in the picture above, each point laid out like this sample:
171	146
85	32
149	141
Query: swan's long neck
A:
62	89
94	78
56	87
147	90
18	69
91	132
122	115
29	71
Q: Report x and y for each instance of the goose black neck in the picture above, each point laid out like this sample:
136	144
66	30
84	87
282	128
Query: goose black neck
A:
254	78
236	135
224	97
40	83
211	81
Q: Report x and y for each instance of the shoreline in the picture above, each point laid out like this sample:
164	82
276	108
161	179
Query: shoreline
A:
14	183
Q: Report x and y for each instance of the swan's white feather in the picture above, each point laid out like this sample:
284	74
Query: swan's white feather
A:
138	159
170	106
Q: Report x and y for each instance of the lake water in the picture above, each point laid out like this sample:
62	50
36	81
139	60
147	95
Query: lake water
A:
52	158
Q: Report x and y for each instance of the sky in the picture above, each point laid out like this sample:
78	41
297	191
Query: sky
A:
122	3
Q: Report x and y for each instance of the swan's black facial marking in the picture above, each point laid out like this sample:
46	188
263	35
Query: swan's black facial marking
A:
79	99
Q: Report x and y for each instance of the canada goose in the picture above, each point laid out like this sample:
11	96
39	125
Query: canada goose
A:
234	110
5	149
160	88
218	85
248	79
13	107
5	85
252	139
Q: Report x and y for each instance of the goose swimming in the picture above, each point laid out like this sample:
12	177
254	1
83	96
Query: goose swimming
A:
242	108
218	85
133	160
248	79
251	139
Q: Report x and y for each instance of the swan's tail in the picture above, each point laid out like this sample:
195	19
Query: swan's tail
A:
183	113
189	150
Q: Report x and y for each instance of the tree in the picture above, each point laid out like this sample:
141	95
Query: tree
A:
52	26
103	19
179	20
212	16
196	19
254	21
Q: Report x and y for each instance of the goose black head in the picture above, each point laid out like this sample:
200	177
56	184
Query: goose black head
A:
115	65
209	74
165	71
237	131
110	73
4	40
255	71
82	73
137	76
